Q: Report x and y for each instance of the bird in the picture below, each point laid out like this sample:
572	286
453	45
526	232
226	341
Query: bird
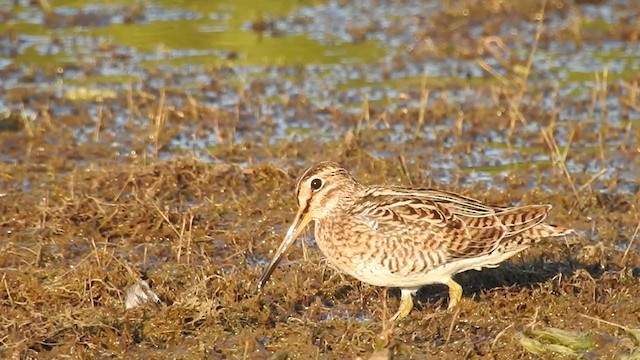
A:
407	237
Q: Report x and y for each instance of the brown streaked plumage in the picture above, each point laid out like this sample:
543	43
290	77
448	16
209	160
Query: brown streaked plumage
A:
407	237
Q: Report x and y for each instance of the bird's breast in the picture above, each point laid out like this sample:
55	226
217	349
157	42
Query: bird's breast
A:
371	253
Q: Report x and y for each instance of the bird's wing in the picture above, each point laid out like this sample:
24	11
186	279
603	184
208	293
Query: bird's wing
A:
459	226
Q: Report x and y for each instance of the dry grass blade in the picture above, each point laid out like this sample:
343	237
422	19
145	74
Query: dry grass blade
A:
364	115
631	241
486	67
501	333
534	48
26	122
96	133
633	334
424	98
452	325
592	179
404	169
6	287
159	120
167	220
553	146
517	101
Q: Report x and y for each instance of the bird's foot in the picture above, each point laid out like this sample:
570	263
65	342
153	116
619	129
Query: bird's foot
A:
406	304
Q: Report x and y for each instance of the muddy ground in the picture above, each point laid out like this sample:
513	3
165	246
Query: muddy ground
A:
126	161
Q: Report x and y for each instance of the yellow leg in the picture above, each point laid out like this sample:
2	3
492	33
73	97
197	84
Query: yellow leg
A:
455	294
406	304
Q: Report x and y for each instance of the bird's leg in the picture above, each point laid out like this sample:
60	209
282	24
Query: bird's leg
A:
455	294
406	304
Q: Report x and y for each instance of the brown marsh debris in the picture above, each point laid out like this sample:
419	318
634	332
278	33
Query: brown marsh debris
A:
201	233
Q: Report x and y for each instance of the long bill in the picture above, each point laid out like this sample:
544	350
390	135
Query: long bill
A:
303	217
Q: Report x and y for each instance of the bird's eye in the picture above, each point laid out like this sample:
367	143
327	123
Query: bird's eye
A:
316	184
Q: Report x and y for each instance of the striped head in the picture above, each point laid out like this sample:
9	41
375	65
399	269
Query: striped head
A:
324	189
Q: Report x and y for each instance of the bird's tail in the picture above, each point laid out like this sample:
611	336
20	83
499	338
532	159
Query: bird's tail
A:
547	230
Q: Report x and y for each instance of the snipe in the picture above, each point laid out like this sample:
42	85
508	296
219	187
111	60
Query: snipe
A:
407	237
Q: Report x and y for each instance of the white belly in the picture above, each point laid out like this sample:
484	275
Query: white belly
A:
378	275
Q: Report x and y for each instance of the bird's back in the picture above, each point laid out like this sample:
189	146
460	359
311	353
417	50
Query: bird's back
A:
445	227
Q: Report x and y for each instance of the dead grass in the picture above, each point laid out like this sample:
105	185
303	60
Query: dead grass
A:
67	260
